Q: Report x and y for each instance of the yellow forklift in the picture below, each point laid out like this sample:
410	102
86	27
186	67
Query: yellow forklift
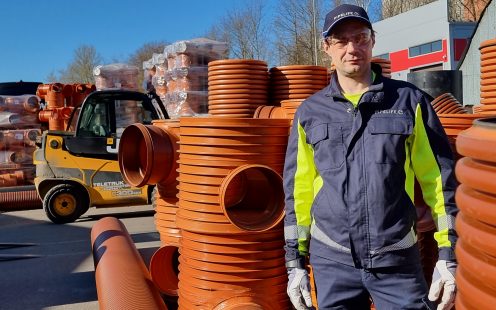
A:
78	169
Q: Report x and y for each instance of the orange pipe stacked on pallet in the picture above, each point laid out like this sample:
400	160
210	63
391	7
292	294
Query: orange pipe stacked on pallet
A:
237	87
122	279
476	222
488	77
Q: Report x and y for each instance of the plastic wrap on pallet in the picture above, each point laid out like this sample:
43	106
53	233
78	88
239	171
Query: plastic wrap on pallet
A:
149	71
186	103
20	156
188	79
24	104
160	77
129	112
17	176
20	138
121	76
198	46
14	120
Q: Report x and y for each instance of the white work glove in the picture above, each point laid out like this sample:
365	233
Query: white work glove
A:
299	288
443	282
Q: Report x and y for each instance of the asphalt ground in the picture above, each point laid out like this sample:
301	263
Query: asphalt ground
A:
52	267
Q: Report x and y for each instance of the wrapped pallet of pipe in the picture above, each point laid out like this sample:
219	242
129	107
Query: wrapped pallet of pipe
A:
116	76
187	75
19	129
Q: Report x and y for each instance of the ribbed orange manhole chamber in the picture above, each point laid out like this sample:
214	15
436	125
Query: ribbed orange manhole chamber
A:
236	87
476	222
488	77
148	156
296	82
231	206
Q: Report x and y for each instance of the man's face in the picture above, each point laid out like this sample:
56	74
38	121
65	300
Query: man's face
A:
350	47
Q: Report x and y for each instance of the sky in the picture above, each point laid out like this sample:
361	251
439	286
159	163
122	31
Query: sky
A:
39	36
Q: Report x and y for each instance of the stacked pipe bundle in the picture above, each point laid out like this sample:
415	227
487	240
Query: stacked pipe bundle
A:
60	100
488	77
296	82
476	221
79	93
385	65
187	70
230	210
18	132
116	76
231	205
18	111
149	71
237	87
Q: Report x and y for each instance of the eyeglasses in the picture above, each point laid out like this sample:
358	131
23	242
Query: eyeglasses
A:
359	39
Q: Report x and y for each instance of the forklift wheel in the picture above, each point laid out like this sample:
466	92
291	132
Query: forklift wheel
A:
65	203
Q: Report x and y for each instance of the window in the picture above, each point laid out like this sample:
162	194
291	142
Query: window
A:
425	48
383	56
95	122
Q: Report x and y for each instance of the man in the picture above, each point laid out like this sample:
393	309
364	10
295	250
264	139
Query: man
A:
354	152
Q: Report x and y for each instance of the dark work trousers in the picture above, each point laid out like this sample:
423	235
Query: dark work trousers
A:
340	286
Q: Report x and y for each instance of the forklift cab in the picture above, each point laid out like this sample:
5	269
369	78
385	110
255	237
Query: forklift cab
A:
104	116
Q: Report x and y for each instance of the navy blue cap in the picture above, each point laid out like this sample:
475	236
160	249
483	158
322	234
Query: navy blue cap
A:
344	12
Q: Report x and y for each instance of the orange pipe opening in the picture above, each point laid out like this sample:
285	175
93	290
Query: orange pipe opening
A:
252	197
146	155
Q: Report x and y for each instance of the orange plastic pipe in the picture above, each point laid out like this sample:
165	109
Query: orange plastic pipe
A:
146	155
122	279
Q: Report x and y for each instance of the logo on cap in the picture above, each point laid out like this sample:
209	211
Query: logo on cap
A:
346	14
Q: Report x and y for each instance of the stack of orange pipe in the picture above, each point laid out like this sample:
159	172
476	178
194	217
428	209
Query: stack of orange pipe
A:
476	221
60	101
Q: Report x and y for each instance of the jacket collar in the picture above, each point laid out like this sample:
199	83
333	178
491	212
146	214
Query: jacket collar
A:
334	90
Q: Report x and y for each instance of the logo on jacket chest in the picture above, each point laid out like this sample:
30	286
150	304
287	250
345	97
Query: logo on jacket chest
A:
390	111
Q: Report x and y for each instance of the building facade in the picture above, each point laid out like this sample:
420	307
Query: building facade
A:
422	39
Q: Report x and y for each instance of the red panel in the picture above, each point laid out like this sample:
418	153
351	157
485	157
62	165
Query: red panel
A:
400	60
459	47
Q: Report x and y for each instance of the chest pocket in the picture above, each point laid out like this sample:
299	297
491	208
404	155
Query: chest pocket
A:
327	142
388	137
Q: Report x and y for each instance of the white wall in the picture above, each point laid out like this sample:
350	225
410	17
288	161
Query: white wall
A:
421	25
470	65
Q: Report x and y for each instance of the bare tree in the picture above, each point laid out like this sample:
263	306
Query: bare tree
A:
392	8
80	70
297	34
245	31
143	53
466	10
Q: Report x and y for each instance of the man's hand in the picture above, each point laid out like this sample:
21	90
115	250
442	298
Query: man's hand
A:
443	281
299	288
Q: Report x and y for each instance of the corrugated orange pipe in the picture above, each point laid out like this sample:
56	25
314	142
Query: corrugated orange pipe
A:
19	198
122	279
